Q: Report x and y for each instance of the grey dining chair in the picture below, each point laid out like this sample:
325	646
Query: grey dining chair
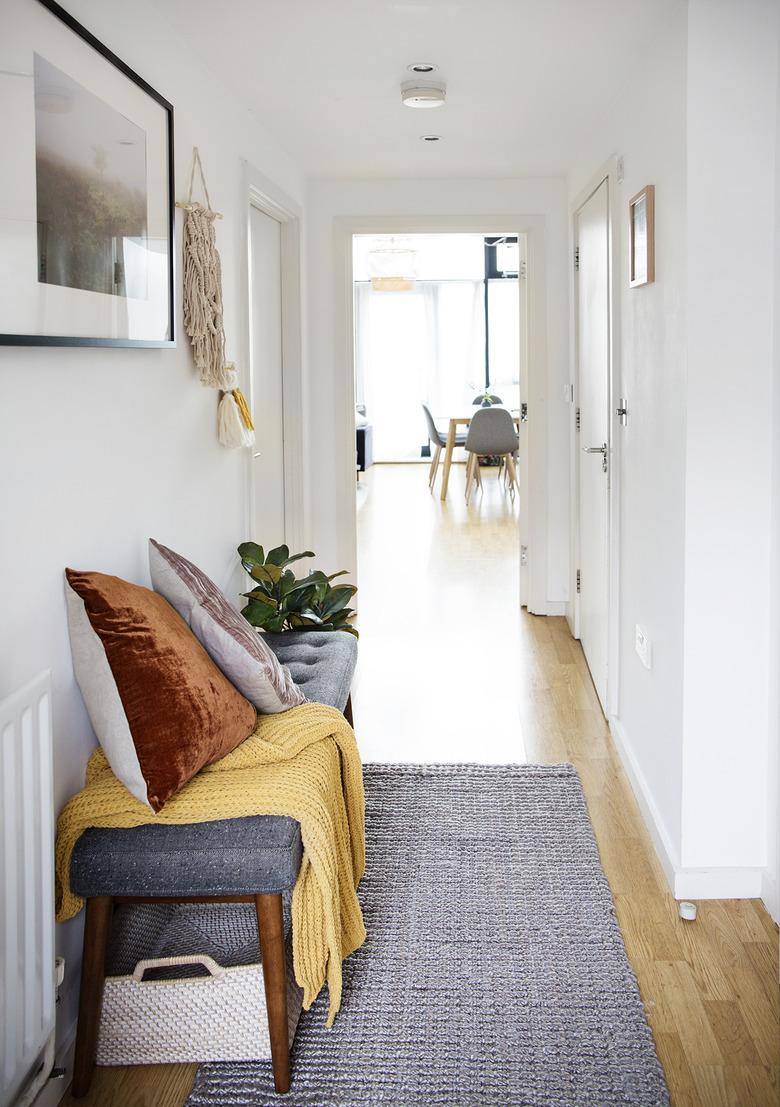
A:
438	441
491	434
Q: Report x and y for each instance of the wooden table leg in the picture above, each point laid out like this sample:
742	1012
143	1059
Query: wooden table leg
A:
445	477
511	470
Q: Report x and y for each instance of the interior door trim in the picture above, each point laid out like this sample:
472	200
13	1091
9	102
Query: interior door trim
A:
263	194
609	173
534	576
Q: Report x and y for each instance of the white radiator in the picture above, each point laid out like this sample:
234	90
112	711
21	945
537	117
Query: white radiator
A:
27	986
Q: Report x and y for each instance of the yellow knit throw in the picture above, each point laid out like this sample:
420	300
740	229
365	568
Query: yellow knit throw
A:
303	763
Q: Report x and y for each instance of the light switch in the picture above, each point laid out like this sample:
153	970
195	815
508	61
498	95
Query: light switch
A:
644	647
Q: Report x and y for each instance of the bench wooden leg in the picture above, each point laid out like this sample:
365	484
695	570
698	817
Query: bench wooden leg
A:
348	710
270	926
93	974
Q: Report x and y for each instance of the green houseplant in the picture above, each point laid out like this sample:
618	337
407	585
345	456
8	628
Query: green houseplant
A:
281	601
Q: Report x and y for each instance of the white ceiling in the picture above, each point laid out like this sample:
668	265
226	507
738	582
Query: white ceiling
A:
523	77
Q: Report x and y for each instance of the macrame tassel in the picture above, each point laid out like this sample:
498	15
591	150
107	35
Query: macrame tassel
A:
243	407
233	431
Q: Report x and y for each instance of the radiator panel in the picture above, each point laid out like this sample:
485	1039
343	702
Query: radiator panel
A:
27	990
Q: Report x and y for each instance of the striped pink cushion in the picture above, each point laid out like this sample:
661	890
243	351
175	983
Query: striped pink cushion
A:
233	644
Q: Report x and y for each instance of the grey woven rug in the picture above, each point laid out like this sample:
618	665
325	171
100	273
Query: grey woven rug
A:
494	973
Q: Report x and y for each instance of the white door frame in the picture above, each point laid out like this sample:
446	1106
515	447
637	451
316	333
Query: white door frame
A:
608	173
263	194
533	515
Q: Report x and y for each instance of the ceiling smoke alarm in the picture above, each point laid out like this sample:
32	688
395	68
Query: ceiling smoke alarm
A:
423	94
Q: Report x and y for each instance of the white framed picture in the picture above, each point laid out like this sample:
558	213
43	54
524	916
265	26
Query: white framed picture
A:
86	192
641	237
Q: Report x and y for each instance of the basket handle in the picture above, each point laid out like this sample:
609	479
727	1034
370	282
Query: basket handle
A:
166	962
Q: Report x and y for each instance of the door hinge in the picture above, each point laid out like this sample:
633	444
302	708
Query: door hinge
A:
576	259
522	271
577	419
579	582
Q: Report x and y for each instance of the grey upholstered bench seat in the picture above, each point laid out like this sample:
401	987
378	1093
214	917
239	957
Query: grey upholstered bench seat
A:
322	663
261	854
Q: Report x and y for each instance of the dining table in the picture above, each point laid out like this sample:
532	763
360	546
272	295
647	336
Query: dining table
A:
463	420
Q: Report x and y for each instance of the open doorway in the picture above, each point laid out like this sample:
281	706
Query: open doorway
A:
443	330
440	324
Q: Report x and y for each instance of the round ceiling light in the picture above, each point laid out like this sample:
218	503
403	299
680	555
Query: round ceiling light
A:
430	138
422	67
423	94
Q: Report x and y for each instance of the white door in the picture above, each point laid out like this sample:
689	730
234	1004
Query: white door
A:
265	241
594	439
521	398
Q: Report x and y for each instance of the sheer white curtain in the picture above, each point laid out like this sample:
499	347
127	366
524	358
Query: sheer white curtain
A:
459	368
362	291
415	347
504	311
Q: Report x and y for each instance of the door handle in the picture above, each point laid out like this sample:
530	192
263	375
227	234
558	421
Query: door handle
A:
603	450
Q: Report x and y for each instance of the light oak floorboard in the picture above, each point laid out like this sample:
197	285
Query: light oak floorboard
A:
451	671
139	1086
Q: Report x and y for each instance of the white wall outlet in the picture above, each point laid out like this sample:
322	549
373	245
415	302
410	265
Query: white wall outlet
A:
644	647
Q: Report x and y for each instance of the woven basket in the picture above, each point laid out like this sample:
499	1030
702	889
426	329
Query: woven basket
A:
218	1017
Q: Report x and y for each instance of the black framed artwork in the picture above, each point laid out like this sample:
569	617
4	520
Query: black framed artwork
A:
86	189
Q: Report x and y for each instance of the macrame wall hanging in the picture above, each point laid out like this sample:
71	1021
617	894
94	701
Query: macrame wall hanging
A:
203	320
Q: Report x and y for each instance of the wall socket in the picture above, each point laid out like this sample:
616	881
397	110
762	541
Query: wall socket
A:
644	647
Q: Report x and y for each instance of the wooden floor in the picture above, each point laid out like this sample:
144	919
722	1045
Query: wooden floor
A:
449	671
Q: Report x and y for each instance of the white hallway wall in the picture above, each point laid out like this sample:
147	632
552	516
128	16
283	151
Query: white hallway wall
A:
647	127
772	888
700	123
330	496
101	448
731	245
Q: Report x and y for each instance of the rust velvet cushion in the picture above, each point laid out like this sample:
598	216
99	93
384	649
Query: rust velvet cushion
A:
160	707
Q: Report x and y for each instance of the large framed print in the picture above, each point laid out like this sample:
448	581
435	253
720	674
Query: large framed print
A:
86	189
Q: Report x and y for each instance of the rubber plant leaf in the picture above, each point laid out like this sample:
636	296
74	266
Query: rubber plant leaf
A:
278	556
297	557
250	551
268	573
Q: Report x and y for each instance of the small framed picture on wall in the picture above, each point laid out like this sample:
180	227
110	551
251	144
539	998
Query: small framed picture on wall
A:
86	190
641	237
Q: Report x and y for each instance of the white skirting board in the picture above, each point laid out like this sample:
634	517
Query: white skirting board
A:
551	607
770	894
710	883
